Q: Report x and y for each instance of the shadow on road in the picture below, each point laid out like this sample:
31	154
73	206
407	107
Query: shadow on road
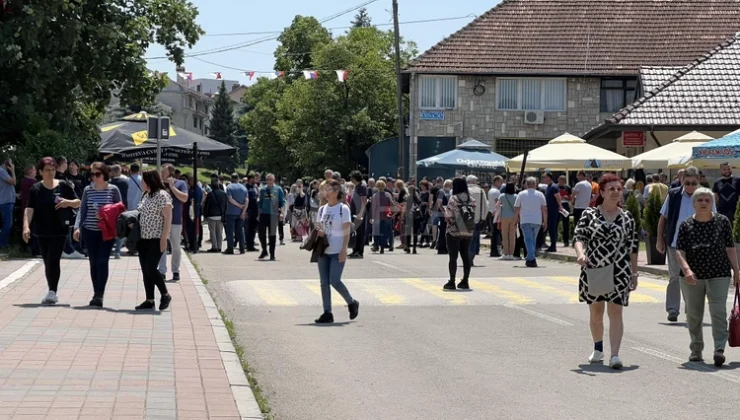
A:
41	305
88	308
335	324
591	369
680	324
706	367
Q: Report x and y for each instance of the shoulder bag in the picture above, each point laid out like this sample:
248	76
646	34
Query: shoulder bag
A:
734	339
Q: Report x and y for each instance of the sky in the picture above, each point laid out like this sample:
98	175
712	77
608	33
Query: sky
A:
239	16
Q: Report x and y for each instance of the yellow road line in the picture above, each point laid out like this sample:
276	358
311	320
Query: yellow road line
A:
268	293
634	296
316	289
511	297
383	295
456	298
572	296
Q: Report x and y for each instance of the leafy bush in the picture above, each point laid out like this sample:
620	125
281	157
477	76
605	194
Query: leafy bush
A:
736	226
651	215
633	207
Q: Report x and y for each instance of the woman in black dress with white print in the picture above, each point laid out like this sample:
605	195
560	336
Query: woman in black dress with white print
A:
606	236
155	221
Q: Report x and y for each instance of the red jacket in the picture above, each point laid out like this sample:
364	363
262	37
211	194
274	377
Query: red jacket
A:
108	218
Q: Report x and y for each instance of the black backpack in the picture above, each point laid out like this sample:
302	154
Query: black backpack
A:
467	214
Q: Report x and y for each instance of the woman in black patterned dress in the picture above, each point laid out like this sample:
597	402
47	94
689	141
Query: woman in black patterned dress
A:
606	235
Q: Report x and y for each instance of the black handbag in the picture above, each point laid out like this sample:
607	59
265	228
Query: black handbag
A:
67	216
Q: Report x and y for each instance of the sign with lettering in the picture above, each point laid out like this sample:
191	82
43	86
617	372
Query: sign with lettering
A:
633	139
433	115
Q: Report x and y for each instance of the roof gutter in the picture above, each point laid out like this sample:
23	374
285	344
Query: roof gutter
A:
652	134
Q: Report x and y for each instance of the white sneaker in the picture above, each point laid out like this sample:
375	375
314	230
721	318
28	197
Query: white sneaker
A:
74	255
615	363
596	357
50	299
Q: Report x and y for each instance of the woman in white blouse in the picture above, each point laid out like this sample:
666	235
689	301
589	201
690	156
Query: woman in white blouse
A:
155	221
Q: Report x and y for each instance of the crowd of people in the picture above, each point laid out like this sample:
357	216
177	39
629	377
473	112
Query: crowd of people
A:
156	212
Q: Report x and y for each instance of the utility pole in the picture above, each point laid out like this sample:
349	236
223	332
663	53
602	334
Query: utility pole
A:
402	170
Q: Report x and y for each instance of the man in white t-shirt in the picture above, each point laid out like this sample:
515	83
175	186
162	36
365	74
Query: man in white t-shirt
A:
580	197
531	212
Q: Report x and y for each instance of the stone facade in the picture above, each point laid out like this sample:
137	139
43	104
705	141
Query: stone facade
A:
476	116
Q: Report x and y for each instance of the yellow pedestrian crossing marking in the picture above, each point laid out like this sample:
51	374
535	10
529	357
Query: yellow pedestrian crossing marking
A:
429	292
636	297
571	295
383	294
512	297
455	298
271	295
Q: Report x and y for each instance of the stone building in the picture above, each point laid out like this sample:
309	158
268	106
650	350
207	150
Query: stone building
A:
527	71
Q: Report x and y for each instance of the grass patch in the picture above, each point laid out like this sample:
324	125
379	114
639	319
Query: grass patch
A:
195	265
261	400
15	252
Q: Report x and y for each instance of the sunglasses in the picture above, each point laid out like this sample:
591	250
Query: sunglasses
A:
97	174
615	189
690	183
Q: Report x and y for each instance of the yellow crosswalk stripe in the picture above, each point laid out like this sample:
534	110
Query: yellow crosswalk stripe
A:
634	296
511	297
572	295
271	295
456	298
316	289
383	295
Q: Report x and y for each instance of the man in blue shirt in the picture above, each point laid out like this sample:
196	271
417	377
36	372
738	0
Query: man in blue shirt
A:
271	206
236	212
7	199
178	190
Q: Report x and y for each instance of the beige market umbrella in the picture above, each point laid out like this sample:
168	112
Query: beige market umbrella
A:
672	152
569	152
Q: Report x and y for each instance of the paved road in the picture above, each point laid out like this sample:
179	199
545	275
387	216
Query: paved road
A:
513	348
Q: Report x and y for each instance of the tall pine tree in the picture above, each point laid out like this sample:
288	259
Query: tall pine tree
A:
362	19
223	126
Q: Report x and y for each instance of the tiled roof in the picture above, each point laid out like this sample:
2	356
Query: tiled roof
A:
706	92
583	37
653	76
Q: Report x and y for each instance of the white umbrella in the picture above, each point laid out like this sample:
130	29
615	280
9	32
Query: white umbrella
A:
569	152
675	152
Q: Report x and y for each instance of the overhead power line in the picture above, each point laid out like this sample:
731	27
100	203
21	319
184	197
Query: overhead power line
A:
412	22
268	38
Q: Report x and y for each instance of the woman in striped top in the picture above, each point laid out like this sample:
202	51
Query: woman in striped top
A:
94	198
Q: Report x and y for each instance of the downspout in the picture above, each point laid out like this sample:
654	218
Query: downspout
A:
652	134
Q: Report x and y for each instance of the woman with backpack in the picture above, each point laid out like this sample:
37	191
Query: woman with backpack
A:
460	219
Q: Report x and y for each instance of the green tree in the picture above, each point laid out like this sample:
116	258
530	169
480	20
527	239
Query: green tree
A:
362	19
298	42
223	127
266	150
61	59
327	123
633	207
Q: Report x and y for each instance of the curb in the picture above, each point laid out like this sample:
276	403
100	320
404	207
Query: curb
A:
240	389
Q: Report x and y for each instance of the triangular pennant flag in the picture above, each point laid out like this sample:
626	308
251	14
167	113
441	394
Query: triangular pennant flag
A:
217	75
310	74
250	74
342	75
279	74
187	76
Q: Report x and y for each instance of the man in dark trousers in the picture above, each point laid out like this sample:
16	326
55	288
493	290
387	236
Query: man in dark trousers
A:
357	210
252	212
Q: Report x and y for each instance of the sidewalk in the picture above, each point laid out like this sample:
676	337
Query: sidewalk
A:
72	362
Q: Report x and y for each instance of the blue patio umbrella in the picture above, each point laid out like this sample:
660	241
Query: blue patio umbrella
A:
712	153
471	155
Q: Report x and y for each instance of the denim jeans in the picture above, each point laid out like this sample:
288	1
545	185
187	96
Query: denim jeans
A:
6	212
330	273
234	225
175	241
381	232
99	253
530	231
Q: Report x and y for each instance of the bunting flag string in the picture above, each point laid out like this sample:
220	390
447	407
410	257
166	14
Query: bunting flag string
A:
342	75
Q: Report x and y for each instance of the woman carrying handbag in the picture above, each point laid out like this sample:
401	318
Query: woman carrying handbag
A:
606	246
706	255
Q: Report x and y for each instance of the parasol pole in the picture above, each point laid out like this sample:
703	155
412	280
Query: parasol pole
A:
197	209
521	173
159	146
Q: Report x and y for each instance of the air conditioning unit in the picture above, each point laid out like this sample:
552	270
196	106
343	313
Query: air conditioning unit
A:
534	117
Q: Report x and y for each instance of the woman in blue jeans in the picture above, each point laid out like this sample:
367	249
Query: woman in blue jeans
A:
335	224
94	198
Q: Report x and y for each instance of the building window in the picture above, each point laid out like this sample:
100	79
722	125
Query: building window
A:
617	93
514	147
195	122
438	92
530	94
